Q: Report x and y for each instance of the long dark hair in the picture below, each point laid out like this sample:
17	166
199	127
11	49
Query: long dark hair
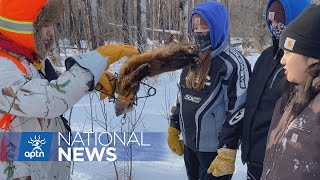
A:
299	96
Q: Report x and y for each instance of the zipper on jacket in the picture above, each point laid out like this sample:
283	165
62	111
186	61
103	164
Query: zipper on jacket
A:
197	128
275	76
274	58
215	125
181	121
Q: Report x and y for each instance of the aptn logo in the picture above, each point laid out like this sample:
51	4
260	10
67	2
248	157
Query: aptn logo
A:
36	146
37	150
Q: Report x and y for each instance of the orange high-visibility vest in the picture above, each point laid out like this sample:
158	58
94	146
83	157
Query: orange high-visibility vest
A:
16	23
7	118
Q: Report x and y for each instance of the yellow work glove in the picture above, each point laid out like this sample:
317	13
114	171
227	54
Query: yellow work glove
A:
224	163
107	85
174	143
115	52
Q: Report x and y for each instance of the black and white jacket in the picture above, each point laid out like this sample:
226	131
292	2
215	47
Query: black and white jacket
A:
216	110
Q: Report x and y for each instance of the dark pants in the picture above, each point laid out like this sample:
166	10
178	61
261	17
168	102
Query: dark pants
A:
254	171
197	164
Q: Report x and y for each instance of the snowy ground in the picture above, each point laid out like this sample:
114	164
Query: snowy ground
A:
153	120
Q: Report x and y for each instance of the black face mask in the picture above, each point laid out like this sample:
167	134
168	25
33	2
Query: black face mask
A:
277	30
203	40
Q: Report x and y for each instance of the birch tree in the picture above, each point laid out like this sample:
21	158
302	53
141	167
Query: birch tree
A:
142	24
95	23
185	20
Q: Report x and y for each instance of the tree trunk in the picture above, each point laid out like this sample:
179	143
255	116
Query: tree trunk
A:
88	25
153	20
142	24
161	22
185	20
95	23
125	20
75	36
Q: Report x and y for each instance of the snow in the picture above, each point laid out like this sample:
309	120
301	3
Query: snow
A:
296	164
284	143
308	169
252	58
152	119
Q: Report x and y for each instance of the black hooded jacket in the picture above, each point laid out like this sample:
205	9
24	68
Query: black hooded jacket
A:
265	88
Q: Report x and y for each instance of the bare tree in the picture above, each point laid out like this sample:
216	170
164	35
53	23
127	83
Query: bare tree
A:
153	19
142	24
95	23
88	25
125	20
162	21
185	20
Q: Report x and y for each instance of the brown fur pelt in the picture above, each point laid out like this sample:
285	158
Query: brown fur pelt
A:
152	63
168	58
127	94
50	13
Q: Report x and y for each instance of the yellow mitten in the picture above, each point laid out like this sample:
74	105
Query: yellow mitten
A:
107	85
174	143
115	52
224	163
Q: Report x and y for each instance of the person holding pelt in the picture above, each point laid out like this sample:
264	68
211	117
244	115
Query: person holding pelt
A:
33	96
211	98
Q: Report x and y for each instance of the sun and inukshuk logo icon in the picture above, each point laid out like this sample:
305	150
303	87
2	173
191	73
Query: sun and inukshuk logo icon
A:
37	143
37	150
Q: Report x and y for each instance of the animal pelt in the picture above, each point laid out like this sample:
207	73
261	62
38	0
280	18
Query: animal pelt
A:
168	58
152	63
127	94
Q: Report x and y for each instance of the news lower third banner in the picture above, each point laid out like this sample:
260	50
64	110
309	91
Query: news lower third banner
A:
85	146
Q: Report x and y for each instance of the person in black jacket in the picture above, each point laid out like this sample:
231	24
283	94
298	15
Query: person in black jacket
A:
265	86
211	97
